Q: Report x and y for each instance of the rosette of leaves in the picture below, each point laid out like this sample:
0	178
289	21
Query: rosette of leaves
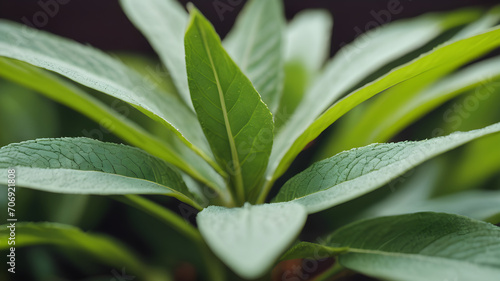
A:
241	112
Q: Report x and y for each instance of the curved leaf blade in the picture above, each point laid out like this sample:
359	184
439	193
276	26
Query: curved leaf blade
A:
422	246
103	248
447	56
249	239
163	22
173	151
86	166
94	69
353	173
237	124
256	45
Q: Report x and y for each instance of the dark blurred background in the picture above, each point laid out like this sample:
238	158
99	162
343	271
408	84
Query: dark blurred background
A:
101	23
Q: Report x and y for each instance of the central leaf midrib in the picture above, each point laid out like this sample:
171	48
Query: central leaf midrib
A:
234	152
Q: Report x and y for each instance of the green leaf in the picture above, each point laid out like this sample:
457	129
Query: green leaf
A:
353	173
173	151
389	115
236	122
249	239
86	166
256	45
103	248
96	70
308	250
24	114
422	246
416	195
308	39
307	46
289	143
163	22
477	204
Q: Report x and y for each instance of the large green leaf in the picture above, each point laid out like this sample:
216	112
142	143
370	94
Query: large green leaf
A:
163	22
86	166
249	239
105	249
353	173
256	45
391	114
94	69
289	143
173	151
237	124
476	204
422	246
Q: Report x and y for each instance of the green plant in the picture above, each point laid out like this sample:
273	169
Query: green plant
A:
231	129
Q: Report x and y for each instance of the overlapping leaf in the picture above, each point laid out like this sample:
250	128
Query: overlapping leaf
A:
86	166
352	173
249	239
103	248
447	56
51	86
163	22
256	45
236	122
98	71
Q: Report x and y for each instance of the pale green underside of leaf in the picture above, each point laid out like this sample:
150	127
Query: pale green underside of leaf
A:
338	78
422	246
163	22
308	39
236	122
103	248
250	239
353	173
477	204
173	151
256	45
307	47
96	70
86	166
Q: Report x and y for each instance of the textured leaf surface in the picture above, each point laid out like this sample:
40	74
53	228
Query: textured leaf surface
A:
422	246
86	166
249	239
163	22
256	45
173	151
289	143
96	70
103	248
236	122
352	173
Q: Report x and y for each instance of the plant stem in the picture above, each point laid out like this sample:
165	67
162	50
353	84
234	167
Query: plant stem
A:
264	192
164	214
332	271
214	267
